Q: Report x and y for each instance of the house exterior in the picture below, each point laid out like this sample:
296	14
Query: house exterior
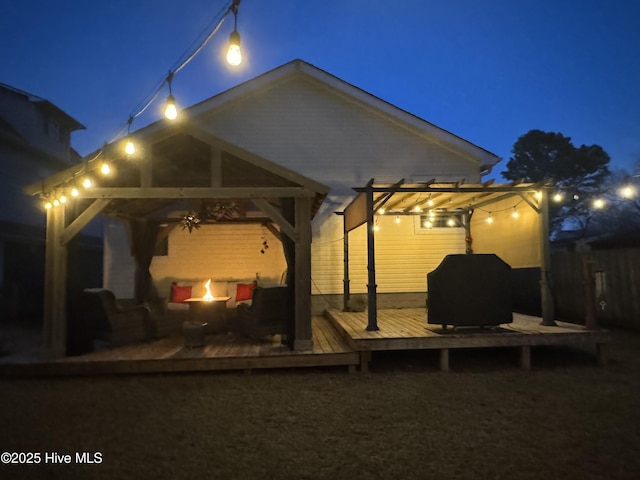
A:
284	153
35	141
319	126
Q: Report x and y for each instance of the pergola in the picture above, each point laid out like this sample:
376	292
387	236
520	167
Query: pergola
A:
440	198
179	167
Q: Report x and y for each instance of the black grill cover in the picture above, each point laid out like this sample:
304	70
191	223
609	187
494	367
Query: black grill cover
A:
470	290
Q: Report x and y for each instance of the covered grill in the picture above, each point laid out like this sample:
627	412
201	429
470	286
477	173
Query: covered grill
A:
470	290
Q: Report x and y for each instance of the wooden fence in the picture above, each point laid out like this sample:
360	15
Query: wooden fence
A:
615	286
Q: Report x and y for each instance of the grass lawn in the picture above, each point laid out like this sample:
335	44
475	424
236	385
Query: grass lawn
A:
566	419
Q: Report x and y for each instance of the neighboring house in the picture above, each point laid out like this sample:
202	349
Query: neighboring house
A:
35	141
319	126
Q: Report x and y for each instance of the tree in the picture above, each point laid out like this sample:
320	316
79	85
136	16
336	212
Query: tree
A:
578	173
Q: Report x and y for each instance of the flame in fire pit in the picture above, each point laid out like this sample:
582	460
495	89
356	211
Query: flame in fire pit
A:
207	295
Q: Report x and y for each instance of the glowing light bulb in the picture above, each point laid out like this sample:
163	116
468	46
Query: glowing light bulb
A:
87	183
105	169
598	203
74	192
56	202
451	222
381	211
417	209
538	195
63	199
48	205
430	203
427	224
234	55
515	213
627	192
170	111
558	197
129	147
397	219
489	219
376	228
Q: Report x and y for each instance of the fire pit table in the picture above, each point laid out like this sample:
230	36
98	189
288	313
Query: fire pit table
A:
211	312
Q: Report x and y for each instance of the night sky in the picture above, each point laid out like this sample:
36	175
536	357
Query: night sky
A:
487	71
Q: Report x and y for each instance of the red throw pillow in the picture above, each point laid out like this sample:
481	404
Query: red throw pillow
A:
244	291
180	294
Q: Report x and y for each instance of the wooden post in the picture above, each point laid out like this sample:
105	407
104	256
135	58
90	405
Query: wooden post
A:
545	262
525	357
55	287
588	281
372	303
303	339
346	286
444	359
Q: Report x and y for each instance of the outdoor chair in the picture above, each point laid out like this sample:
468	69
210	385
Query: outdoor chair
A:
270	313
110	322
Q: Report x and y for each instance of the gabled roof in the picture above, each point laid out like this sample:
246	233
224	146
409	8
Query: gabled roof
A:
352	93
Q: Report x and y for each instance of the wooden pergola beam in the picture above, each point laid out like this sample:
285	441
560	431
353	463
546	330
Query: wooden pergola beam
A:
196	192
83	219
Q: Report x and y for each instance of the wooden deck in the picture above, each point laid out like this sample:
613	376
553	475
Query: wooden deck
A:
407	329
221	352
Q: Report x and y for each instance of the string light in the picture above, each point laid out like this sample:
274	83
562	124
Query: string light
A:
397	218
558	197
515	213
63	199
87	182
129	147
381	211
598	203
627	192
75	192
105	169
234	55
170	110
489	218
427	224
48	205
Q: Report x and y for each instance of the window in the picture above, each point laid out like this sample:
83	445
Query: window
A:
439	221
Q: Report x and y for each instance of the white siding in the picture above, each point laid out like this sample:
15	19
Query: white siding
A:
309	128
403	257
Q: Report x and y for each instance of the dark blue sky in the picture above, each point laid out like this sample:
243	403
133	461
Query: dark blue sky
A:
487	71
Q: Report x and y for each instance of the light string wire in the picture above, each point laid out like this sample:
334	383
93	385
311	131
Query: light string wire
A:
187	56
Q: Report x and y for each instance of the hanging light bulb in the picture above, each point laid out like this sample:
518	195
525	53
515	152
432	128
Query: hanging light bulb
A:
598	203
234	55
489	218
557	197
381	211
451	222
87	183
417	209
105	169
170	110
129	147
48	205
515	213
627	192
397	218
63	199
74	192
56	202
427	224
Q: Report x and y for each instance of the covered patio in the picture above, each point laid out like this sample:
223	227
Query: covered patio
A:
180	176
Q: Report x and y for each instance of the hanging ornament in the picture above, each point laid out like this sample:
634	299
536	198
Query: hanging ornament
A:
190	221
265	245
